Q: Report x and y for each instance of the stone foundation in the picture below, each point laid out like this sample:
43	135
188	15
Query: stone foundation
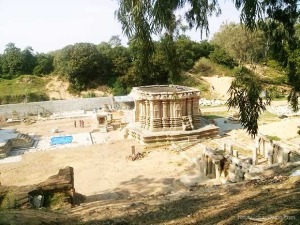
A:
148	137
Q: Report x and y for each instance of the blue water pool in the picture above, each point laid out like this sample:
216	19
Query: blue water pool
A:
61	140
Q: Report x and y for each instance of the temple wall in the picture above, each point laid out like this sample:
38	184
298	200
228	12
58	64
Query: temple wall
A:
167	114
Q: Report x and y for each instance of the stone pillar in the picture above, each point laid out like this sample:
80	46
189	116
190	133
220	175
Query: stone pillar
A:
236	153
147	122
209	169
270	156
217	168
183	107
205	165
263	149
224	147
285	155
189	107
165	115
280	155
133	150
254	156
268	148
257	144
151	115
230	148
137	111
195	106
171	112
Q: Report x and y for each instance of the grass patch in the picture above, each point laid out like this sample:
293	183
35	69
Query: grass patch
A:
211	117
268	117
21	85
55	200
205	67
191	80
26	88
219	114
273	138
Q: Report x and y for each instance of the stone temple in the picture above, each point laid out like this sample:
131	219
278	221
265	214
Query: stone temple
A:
168	113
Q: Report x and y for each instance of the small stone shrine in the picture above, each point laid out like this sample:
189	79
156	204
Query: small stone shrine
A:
167	112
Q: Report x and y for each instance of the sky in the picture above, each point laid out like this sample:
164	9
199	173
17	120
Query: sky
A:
48	25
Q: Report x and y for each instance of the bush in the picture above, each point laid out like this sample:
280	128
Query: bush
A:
220	56
28	97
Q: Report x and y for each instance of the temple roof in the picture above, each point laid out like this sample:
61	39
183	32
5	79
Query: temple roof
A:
163	92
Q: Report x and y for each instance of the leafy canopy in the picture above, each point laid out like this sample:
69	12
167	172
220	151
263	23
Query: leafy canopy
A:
141	19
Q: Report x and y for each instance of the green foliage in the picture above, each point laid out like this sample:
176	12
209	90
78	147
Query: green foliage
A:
15	62
44	64
275	93
188	52
29	60
273	138
245	93
26	88
80	64
55	200
220	56
12	61
242	44
205	67
90	94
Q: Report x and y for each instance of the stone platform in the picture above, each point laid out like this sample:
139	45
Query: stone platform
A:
148	137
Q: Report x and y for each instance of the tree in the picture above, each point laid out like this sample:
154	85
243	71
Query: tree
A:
44	64
140	19
220	56
245	94
243	45
115	41
29	60
12	61
81	64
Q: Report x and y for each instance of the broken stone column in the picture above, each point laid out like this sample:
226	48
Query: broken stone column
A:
270	157
231	173
224	147
257	145
239	174
254	156
285	155
217	168
133	150
230	149
236	153
209	162
205	162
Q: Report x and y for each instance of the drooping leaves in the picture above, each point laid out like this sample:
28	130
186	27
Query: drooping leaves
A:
245	94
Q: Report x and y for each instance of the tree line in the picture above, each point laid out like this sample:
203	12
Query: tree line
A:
87	65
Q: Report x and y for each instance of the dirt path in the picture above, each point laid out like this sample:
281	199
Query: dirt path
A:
219	86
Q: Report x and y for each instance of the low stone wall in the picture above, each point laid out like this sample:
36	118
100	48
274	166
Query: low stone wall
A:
273	151
55	106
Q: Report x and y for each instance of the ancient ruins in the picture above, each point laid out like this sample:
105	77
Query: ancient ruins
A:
168	113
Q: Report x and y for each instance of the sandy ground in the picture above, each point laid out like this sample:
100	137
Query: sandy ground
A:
102	170
219	86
